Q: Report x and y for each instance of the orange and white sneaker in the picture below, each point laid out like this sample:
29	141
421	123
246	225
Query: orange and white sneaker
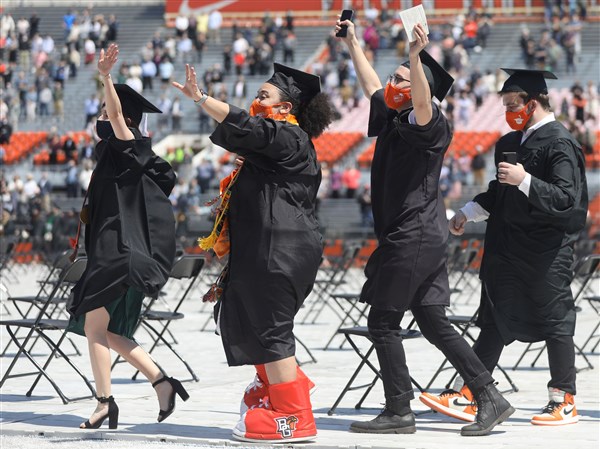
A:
558	413
457	404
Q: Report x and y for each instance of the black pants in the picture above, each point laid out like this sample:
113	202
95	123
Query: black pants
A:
384	328
561	353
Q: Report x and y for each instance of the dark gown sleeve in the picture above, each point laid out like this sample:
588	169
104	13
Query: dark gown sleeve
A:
134	157
557	196
487	199
243	134
378	114
434	136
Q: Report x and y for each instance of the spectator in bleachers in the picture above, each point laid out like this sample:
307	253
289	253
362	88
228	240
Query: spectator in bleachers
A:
289	46
68	20
184	48
85	175
5	126
227	59
182	23
148	74
112	33
366	210
92	108
30	187
177	115
58	96
465	106
90	51
72	179
45	191
351	181
31	99
335	182
165	70
239	93
205	173
478	166
215	21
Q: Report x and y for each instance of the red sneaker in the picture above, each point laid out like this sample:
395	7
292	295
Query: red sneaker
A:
285	416
558	413
459	405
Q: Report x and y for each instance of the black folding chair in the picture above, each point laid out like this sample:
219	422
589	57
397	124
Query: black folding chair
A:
351	311
157	322
333	278
28	304
594	302
585	270
463	323
362	331
41	326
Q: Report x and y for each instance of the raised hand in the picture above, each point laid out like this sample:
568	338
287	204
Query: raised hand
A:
108	59
190	88
421	40
350	35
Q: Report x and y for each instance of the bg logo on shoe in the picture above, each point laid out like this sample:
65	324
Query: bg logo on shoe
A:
286	426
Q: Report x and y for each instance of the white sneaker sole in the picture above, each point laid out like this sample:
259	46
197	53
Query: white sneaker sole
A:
563	422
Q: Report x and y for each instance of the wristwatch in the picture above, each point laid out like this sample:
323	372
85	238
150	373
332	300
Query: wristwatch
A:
203	98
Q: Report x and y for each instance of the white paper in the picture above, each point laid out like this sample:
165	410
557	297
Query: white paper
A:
410	17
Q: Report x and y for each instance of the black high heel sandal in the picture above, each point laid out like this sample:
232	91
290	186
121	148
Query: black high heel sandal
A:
177	388
112	415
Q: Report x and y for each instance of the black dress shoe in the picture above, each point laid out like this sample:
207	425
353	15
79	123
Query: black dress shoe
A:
386	422
177	389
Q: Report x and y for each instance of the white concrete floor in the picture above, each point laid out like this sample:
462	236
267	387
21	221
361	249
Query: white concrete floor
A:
42	421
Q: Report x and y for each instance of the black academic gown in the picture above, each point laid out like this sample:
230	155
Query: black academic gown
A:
528	252
130	238
408	268
275	241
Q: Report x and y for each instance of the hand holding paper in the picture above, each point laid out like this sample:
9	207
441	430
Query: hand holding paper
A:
410	17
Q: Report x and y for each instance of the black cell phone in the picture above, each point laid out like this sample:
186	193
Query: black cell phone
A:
347	14
510	157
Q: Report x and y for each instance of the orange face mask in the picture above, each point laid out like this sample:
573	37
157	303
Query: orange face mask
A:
517	120
259	110
395	97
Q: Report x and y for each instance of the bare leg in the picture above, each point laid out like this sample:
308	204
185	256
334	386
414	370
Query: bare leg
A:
139	359
96	324
282	371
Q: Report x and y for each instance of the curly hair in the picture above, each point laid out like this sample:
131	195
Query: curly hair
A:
313	116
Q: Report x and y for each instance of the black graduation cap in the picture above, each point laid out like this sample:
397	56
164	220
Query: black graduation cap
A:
133	104
529	81
439	80
299	85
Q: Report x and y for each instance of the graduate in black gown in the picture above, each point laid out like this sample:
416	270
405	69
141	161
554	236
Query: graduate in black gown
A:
408	268
129	242
535	210
275	244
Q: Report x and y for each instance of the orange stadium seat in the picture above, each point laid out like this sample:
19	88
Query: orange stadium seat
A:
333	146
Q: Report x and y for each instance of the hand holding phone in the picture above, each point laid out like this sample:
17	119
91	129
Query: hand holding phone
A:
510	157
347	14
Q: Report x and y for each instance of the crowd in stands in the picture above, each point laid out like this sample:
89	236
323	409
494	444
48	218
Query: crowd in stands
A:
45	66
34	68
